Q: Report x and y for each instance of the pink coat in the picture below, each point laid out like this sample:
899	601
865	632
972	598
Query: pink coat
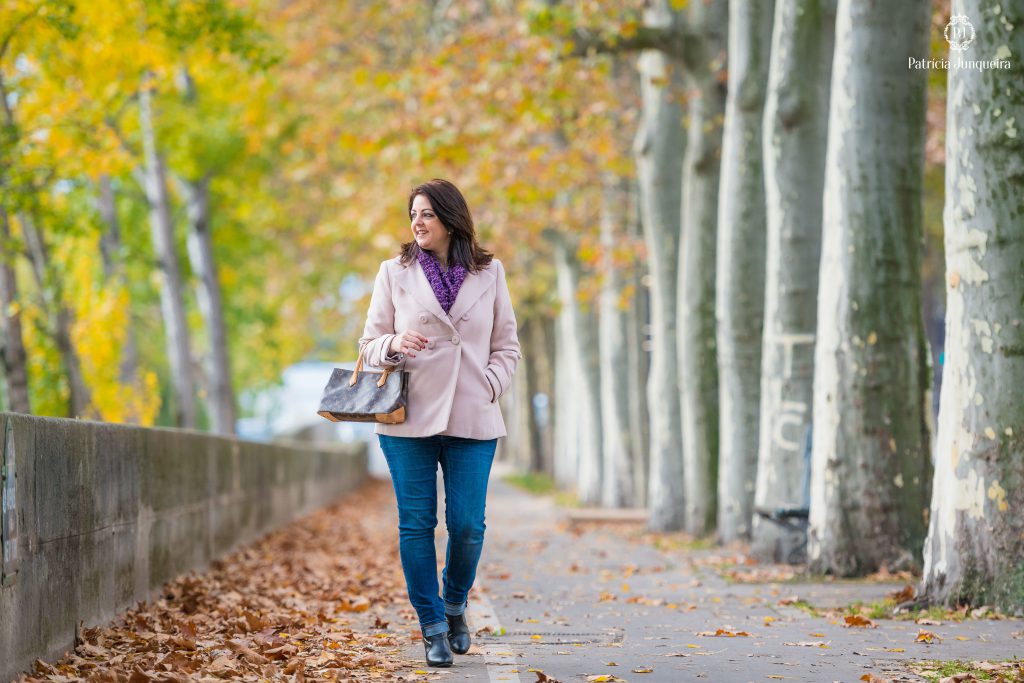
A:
471	353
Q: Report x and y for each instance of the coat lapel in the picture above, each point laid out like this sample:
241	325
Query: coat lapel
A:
472	289
414	281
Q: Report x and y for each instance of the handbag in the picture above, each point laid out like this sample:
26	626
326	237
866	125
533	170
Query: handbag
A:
358	396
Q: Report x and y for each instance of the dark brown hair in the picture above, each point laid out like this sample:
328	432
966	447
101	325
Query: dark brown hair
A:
453	212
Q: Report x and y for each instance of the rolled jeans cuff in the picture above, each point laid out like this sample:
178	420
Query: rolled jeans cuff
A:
434	629
454	609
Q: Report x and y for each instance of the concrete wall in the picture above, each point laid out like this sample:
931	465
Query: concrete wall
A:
107	513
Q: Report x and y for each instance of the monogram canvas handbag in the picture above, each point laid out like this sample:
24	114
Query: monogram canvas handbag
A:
358	396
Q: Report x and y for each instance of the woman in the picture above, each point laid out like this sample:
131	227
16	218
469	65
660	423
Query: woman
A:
442	309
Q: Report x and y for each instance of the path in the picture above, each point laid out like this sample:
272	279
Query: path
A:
323	600
575	605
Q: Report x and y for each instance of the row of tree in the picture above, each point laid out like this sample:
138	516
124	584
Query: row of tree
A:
664	239
185	185
781	206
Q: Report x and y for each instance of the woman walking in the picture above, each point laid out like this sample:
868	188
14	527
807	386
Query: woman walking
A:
441	308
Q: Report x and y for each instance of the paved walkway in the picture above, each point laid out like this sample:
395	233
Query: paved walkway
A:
323	599
579	604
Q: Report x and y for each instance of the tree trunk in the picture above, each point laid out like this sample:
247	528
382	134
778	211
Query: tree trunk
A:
566	420
544	343
795	129
522	433
578	338
975	545
221	400
59	316
534	460
739	288
617	451
13	359
870	468
172	303
638	358
659	146
698	371
113	269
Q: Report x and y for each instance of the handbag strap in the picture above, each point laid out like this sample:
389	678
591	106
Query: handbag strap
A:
359	368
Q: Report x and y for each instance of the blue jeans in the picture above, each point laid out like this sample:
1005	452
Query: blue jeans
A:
466	466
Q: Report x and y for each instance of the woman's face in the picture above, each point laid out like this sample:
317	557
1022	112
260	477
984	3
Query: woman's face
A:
427	229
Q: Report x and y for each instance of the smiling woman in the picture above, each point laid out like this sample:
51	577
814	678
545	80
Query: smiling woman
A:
442	310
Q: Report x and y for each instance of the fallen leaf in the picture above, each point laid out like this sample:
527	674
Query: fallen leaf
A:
905	594
858	621
926	637
643	670
723	632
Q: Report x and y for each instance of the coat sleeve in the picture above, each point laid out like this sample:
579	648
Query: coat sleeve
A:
505	351
380	325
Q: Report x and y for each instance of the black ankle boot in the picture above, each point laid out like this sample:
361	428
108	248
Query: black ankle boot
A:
439	652
458	633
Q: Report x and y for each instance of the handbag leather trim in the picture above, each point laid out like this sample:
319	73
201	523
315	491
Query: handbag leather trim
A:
394	417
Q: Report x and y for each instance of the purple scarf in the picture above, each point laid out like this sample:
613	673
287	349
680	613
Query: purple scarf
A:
445	285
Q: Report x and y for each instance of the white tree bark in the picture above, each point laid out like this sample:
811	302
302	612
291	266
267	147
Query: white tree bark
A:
659	147
565	410
698	371
221	398
172	304
582	392
795	129
739	287
870	467
975	542
617	451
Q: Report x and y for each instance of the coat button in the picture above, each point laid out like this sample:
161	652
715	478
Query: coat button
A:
456	339
430	343
465	316
423	317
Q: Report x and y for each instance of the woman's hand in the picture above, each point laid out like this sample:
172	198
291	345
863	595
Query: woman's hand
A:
408	342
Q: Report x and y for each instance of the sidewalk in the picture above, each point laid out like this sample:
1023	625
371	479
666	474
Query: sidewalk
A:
603	602
323	599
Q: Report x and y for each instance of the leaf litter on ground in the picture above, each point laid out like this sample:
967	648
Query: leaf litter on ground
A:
308	602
